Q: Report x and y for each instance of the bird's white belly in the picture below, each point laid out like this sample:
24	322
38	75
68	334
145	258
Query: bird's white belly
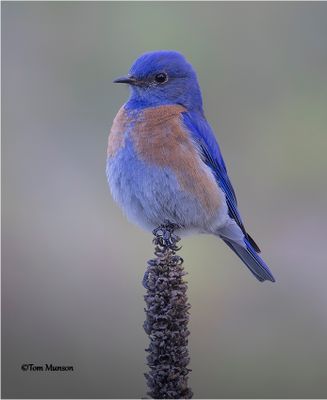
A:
149	195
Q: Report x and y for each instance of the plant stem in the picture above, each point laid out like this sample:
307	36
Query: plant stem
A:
167	317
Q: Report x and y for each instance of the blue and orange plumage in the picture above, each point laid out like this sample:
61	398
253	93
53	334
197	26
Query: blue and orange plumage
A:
164	162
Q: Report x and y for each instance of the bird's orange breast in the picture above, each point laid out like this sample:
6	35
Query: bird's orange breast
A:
160	138
117	134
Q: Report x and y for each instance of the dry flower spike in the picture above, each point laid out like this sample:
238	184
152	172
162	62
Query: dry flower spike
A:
167	317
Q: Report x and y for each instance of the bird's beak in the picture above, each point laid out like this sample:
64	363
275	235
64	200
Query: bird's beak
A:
127	79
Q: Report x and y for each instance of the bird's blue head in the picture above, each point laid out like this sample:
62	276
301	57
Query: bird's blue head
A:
162	77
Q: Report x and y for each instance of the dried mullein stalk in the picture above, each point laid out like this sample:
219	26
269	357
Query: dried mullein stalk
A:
167	316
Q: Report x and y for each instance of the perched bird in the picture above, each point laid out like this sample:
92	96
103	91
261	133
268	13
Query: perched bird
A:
163	160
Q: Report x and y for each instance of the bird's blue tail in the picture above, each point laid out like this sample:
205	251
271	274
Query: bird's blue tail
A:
251	259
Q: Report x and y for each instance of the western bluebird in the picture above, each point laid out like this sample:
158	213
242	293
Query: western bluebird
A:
164	162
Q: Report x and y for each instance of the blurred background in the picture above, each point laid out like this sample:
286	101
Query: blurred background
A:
72	265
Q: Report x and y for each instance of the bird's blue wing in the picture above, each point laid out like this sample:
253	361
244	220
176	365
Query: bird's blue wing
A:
204	137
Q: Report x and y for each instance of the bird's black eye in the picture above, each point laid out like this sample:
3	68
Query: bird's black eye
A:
161	78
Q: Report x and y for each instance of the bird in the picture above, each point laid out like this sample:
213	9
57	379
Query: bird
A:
164	162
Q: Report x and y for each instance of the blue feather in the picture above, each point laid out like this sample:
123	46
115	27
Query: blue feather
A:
252	260
203	135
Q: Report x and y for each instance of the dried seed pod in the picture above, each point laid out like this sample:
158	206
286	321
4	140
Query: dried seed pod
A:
167	317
